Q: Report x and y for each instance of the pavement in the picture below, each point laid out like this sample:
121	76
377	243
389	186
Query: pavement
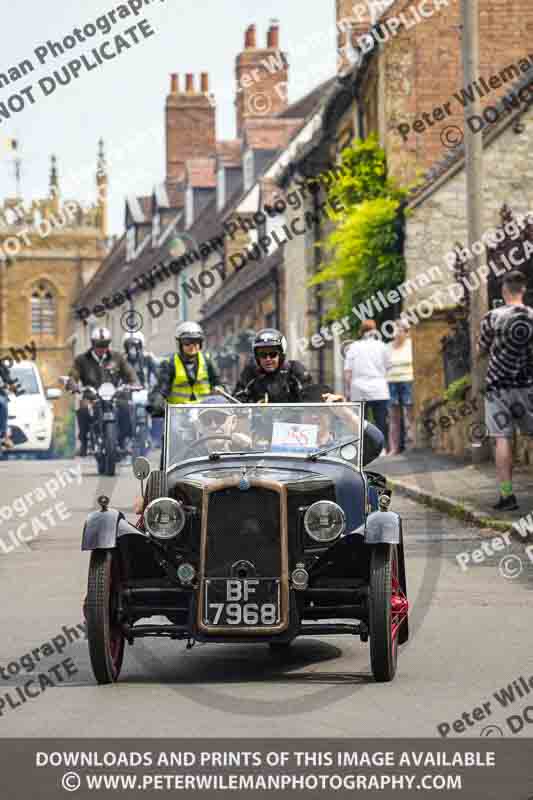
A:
455	486
323	687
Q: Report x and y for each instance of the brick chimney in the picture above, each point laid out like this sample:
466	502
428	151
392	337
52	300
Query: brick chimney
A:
262	75
190	124
353	20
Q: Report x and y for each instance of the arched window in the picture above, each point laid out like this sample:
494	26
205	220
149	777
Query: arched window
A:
43	309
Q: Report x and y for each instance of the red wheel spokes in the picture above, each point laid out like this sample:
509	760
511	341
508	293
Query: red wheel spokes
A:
399	602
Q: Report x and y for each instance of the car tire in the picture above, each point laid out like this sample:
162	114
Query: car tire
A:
280	648
105	637
110	450
383	646
156	486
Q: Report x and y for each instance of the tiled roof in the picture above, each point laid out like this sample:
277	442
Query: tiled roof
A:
305	105
240	282
201	173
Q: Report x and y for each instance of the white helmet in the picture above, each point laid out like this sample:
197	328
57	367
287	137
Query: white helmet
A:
137	338
189	330
100	337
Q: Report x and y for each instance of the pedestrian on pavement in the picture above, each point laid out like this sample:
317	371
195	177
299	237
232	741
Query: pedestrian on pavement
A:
400	378
365	373
506	335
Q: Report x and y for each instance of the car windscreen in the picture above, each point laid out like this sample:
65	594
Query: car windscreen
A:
27	379
197	430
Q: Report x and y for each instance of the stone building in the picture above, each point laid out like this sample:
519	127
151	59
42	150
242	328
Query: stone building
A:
48	252
436	226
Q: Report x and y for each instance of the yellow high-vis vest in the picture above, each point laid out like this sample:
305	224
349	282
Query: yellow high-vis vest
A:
181	390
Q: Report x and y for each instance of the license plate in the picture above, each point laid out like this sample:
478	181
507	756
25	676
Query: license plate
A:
242	603
109	416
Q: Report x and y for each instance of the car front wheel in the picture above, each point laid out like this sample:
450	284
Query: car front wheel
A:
104	632
387	611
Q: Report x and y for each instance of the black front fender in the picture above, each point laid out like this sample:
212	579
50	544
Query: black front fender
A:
103	528
382	527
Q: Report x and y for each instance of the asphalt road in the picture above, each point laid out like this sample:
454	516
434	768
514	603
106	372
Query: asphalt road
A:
471	635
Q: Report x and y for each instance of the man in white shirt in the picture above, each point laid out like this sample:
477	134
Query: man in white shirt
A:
365	373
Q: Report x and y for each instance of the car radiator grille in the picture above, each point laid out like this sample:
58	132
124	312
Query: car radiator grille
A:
243	526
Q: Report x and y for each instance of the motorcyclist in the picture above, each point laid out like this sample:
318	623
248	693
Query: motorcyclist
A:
99	365
269	377
144	364
189	376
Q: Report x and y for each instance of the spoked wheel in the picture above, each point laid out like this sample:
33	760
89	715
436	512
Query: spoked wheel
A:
106	639
387	611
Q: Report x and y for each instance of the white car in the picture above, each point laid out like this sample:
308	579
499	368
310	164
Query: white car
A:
31	412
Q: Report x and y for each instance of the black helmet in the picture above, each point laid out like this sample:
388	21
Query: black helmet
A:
270	337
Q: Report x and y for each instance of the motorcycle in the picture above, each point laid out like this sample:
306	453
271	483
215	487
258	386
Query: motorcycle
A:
140	426
103	432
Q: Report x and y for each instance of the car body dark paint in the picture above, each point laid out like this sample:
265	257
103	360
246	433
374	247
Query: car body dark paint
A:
348	482
103	528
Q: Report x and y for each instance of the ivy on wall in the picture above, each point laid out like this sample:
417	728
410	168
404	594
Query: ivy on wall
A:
364	252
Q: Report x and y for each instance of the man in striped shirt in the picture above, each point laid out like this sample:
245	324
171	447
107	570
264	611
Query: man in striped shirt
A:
506	335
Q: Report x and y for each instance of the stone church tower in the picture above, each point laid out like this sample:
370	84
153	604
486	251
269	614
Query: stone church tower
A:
48	252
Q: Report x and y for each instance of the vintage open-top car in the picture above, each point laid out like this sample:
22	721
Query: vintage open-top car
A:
262	526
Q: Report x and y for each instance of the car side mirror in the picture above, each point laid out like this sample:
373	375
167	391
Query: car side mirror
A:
141	468
53	394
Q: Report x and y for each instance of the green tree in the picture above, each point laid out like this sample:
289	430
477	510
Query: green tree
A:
364	250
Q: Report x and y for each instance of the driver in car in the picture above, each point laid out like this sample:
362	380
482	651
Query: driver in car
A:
222	421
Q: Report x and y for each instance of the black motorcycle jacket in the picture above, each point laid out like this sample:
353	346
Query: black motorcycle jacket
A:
285	385
145	367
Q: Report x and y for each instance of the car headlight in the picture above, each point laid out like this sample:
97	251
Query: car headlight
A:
325	521
164	518
107	391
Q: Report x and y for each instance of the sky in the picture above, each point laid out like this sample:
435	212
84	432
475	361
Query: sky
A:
122	100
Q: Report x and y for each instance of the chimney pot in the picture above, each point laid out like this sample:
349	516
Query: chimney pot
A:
250	37
273	36
174	83
189	82
204	80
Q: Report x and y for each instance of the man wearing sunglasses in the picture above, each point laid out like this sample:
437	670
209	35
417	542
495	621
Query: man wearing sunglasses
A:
270	378
189	376
213	420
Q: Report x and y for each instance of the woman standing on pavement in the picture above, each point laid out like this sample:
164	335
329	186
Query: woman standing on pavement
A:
400	377
365	373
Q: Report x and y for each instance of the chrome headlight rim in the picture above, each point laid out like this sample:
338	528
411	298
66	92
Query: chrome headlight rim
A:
180	521
313	508
107	391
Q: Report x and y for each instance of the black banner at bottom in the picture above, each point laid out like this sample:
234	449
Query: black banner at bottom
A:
207	768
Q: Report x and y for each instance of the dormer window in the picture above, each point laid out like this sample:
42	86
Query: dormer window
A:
248	169
156	228
130	243
189	206
221	189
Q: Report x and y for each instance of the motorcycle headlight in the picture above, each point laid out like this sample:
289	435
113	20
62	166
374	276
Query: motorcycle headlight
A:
164	518
106	391
325	521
